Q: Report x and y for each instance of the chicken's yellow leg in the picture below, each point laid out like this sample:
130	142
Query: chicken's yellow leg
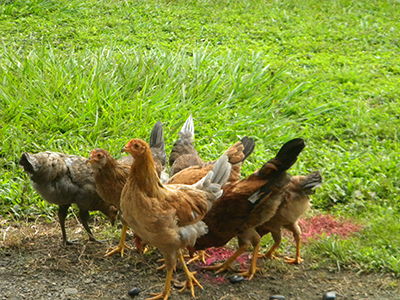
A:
190	277
298	259
253	267
227	265
167	288
121	246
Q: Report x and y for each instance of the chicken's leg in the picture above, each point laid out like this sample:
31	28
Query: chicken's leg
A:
62	214
84	217
296	234
121	246
277	236
191	280
253	267
167	288
227	265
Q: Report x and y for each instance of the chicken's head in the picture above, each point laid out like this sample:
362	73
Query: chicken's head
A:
136	147
98	158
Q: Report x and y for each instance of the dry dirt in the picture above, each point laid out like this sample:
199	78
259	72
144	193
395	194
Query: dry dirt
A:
34	265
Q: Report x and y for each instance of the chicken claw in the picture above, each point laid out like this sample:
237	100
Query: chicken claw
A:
120	248
296	260
201	256
191	280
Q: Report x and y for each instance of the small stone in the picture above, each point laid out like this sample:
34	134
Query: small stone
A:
329	296
70	291
134	292
236	279
277	297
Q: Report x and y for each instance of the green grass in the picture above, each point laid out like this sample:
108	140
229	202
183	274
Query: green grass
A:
75	75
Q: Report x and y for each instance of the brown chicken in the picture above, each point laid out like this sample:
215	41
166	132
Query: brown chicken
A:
157	147
110	176
183	153
246	204
296	202
237	154
65	179
168	217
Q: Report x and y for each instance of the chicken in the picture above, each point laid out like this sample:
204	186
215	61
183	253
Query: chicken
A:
168	216
296	202
246	204
157	147
237	154
183	154
64	179
110	176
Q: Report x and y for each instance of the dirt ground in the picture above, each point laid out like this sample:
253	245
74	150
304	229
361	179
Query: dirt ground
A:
34	265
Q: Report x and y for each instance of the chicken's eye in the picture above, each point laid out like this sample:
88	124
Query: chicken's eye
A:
99	155
136	146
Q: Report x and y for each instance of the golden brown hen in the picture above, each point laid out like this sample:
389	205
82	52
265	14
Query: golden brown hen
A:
247	204
64	179
296	202
168	217
110	176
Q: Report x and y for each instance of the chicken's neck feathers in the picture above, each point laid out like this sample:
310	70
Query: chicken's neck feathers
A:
143	173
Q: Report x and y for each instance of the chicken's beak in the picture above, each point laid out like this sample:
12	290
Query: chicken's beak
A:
88	161
124	150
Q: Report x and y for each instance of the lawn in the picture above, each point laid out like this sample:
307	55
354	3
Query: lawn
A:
76	75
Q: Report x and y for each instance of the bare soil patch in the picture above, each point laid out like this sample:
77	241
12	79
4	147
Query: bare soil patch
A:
34	265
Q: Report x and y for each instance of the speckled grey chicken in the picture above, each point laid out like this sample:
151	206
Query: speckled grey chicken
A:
64	179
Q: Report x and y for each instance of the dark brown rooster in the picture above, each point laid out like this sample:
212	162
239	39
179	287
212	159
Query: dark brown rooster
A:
246	204
110	176
296	202
64	179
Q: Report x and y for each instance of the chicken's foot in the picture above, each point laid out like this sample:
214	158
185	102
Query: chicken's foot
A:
253	267
191	280
227	264
167	289
200	256
298	259
121	246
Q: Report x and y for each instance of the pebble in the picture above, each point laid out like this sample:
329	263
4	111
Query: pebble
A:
236	279
329	296
70	291
277	297
134	292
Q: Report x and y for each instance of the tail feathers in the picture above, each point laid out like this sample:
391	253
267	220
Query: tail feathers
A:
288	154
216	178
157	144
249	146
188	127
221	170
184	145
310	182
